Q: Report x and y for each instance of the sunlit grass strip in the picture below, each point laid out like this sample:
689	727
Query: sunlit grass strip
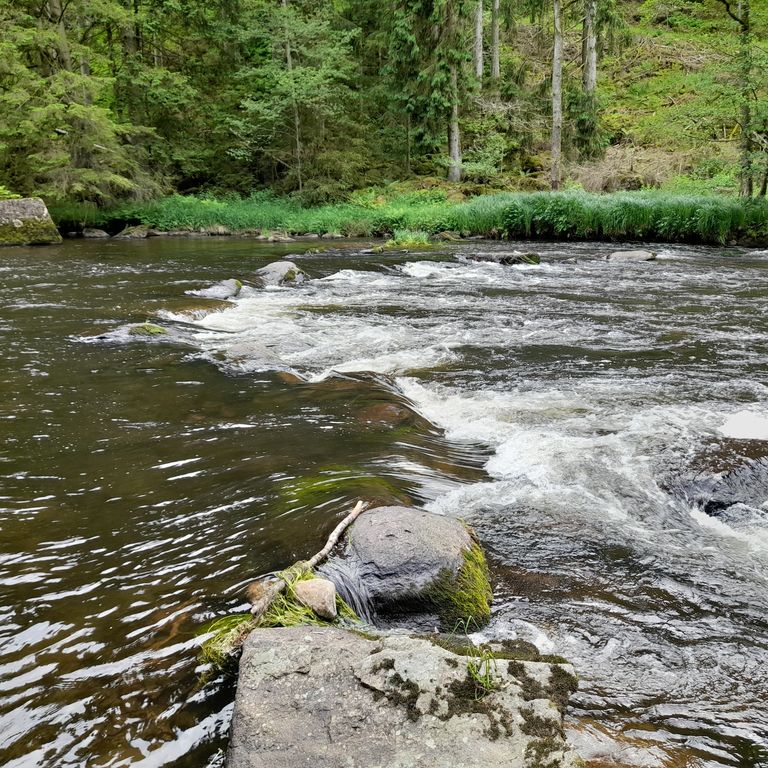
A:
639	216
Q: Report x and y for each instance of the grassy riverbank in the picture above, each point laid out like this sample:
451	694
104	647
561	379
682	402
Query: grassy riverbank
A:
638	216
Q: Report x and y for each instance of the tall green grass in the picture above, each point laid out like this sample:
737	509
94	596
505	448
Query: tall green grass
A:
641	216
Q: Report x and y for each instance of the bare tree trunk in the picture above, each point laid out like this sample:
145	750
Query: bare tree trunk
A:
478	50
296	116
495	68
589	49
745	55
55	15
557	97
454	138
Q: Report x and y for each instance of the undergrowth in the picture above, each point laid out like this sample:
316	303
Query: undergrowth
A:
413	218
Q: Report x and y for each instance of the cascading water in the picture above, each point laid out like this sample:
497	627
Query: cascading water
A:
564	410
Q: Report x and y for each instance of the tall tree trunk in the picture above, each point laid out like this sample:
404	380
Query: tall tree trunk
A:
454	138
557	97
745	57
589	49
478	50
55	15
296	115
495	69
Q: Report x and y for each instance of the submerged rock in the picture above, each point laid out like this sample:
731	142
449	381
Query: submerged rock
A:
309	696
625	257
280	273
410	561
319	595
507	259
744	486
26	222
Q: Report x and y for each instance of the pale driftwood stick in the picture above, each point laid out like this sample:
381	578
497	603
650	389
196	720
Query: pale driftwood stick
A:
336	534
262	595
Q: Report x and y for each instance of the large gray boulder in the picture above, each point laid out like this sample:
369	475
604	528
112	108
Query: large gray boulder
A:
331	698
408	560
26	222
280	273
628	257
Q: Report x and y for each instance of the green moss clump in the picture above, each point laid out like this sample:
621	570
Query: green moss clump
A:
406	238
465	598
229	633
147	329
220	650
31	232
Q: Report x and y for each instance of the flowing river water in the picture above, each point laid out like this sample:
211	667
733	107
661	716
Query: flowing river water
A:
559	408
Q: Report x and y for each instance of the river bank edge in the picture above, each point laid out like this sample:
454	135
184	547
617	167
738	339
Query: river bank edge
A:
431	215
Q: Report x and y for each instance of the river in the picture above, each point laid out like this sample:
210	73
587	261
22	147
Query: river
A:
147	480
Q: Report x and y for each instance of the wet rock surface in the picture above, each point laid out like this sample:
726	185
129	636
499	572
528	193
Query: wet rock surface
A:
280	273
402	561
26	222
628	257
224	289
335	698
507	259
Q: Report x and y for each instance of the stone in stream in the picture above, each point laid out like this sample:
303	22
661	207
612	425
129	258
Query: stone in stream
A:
147	329
507	259
409	561
139	232
319	595
280	273
627	257
89	233
317	696
224	289
26	221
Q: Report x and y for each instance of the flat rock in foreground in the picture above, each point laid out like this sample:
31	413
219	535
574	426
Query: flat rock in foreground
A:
26	222
331	698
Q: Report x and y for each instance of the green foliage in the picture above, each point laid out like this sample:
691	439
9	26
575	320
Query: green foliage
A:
408	238
414	217
6	194
111	102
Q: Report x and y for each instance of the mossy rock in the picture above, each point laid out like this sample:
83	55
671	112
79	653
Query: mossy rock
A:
415	563
464	598
26	221
147	329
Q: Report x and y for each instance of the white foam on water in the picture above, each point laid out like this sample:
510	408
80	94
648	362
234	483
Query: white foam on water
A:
746	425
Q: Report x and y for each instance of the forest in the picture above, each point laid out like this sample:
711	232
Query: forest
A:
111	101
